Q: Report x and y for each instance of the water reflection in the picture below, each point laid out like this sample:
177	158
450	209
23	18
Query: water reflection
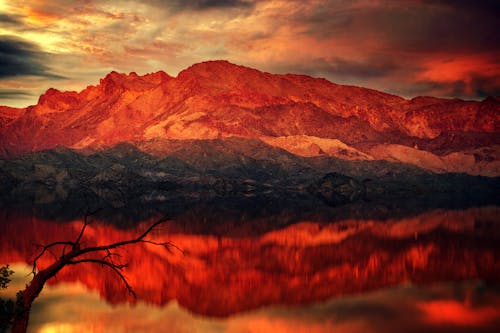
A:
312	275
445	307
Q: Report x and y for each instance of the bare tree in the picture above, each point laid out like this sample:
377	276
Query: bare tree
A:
72	253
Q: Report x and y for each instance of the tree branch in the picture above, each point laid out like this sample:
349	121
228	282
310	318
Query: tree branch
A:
166	245
117	268
85	224
46	248
122	243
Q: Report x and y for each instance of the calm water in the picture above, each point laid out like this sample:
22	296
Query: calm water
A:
433	270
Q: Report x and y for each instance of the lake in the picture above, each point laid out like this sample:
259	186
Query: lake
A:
271	267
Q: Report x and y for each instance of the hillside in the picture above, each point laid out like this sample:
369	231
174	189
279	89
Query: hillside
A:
305	116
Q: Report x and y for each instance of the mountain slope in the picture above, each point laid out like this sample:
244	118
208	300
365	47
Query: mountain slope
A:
217	99
157	171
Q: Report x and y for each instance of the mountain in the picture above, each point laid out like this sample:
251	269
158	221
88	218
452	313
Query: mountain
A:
305	116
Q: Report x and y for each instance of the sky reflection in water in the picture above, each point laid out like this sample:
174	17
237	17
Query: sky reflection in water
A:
452	307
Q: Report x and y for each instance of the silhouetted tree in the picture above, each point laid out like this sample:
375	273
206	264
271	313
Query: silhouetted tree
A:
72	253
6	307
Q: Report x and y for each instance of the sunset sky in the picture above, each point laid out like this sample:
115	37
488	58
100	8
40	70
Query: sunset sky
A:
448	48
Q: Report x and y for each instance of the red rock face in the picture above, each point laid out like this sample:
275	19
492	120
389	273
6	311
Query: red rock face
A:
218	99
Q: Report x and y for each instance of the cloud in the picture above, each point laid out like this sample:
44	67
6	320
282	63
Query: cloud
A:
491	7
368	69
483	86
340	68
477	86
406	25
14	93
6	19
202	4
208	4
437	308
19	58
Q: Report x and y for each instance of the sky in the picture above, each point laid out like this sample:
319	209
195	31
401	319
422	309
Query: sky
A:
445	48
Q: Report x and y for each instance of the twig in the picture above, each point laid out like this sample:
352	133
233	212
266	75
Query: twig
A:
117	268
44	249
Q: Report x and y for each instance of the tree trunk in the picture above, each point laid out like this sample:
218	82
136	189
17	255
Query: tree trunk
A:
20	323
28	296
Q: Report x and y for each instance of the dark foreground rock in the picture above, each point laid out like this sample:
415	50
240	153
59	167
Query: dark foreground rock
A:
337	189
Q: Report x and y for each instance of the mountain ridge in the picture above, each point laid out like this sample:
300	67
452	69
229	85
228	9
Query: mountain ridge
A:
217	99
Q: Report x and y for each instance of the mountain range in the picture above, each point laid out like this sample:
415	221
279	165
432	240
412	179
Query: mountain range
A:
303	115
233	129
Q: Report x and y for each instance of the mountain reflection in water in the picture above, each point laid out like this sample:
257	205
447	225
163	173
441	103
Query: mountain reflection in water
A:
352	275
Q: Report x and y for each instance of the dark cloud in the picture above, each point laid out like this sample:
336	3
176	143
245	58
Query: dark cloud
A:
11	93
341	68
7	19
18	57
207	4
412	26
178	5
478	86
429	29
484	86
491	7
368	69
327	19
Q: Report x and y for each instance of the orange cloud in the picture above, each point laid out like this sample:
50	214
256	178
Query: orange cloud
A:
452	68
451	312
38	17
